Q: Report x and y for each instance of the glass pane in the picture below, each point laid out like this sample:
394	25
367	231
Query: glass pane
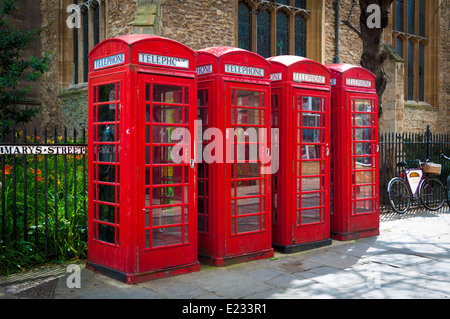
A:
264	33
311	151
106	233
106	173
246	170
361	192
363	106
107	133
167	175
411	16
311	184
362	134
362	119
311	136
410	70
300	35
312	200
247	206
363	148
244	26
107	213
247	134
167	216
365	206
399	46
167	114
167	236
164	134
363	178
106	153
312	104
248	98
167	94
248	224
421	72
106	93
106	113
311	216
246	188
248	116
166	155
399	15
167	195
311	168
282	33
106	193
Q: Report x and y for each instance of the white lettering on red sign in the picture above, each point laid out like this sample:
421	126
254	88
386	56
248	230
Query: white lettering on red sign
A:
244	70
276	76
361	83
109	61
302	77
163	60
204	69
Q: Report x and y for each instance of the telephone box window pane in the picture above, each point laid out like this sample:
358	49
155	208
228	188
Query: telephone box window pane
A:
106	113
167	114
167	236
106	233
361	207
311	136
106	193
248	98
311	168
106	93
246	170
363	106
106	173
363	149
312	200
247	188
311	216
167	94
363	177
106	153
362	192
311	184
167	154
311	151
362	134
107	213
248	116
167	134
107	133
362	119
248	224
167	195
248	206
167	175
167	216
312	104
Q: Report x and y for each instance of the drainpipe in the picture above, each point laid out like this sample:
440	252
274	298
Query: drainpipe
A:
337	18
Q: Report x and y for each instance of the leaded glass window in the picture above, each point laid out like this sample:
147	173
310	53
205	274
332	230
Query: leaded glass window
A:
282	33
264	33
300	35
245	26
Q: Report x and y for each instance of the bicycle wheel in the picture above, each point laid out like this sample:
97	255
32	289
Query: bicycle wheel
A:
432	193
399	195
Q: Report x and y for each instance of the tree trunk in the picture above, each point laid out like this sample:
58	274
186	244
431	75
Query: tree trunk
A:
373	56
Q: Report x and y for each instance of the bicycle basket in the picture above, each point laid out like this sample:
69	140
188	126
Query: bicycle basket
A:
432	168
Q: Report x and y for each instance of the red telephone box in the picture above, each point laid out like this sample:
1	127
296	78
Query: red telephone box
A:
234	187
142	205
355	153
301	188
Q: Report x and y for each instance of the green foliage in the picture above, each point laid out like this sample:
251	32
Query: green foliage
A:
14	69
61	235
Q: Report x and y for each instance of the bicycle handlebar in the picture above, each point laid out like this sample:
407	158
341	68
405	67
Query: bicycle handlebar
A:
446	157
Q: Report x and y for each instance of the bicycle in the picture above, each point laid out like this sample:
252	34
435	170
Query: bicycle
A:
448	181
414	184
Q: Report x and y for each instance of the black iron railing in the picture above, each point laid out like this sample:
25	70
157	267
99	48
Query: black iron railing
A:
43	194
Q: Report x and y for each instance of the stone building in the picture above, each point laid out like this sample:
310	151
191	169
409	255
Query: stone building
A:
416	41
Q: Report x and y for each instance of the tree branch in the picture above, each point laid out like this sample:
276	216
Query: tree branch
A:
349	24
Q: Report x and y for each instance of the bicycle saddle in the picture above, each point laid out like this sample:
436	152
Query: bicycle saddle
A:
401	164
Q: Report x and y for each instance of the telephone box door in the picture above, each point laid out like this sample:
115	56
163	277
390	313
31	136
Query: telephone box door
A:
167	223
248	211
364	162
311	166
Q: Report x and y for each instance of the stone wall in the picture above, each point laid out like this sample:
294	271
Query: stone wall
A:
199	23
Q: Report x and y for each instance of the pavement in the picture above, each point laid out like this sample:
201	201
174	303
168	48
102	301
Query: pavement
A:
410	259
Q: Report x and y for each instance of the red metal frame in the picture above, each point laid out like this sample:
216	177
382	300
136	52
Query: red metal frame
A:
234	88
301	188
142	206
355	152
